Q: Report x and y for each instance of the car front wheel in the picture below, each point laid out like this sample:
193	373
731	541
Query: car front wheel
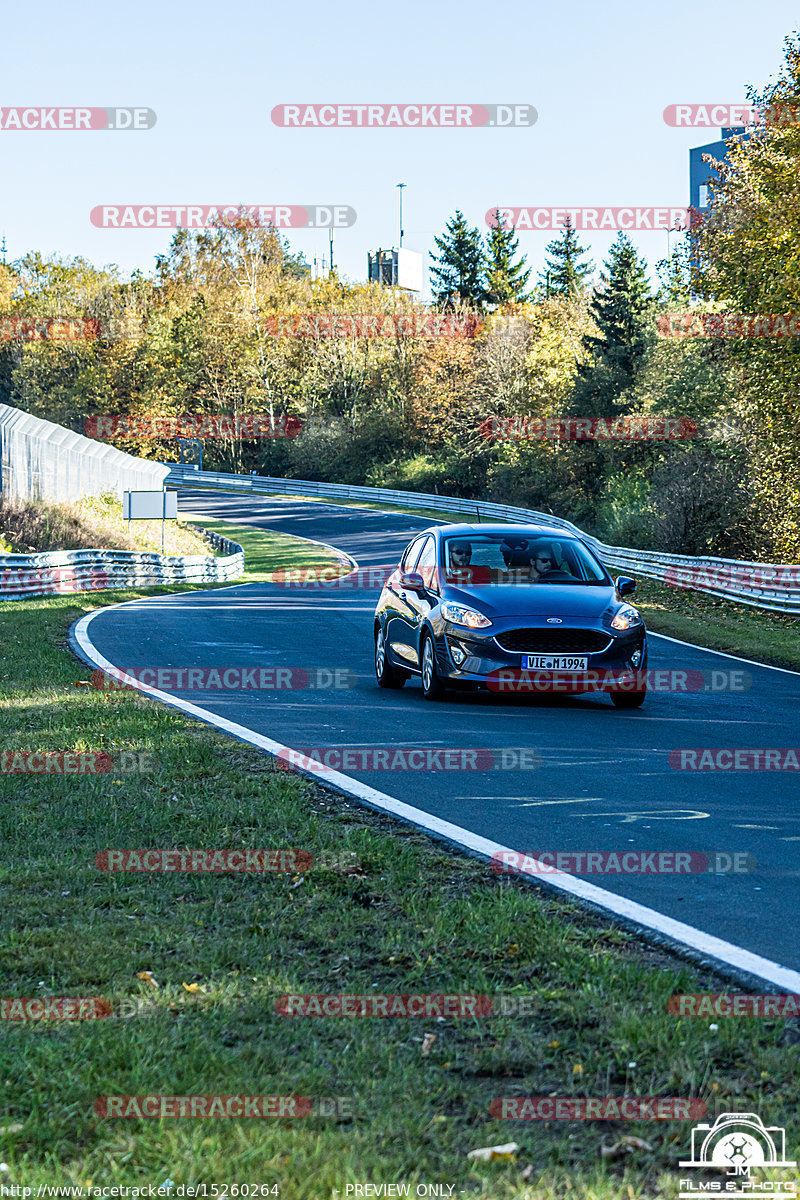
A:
432	686
628	699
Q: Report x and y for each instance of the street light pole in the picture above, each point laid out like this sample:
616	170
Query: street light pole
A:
401	186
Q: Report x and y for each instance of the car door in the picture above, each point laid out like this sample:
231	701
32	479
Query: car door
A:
400	615
420	605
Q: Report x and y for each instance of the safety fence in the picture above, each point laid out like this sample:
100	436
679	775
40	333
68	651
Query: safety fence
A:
772	586
43	461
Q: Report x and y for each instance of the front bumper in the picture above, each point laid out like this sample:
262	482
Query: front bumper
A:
486	664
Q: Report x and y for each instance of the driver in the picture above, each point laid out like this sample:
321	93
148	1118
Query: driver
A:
546	560
542	561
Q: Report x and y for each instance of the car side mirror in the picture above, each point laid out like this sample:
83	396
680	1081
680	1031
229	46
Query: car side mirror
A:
413	582
625	586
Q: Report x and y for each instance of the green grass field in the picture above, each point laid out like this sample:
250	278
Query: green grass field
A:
193	963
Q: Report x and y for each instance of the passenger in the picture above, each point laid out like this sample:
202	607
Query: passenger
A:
459	571
460	554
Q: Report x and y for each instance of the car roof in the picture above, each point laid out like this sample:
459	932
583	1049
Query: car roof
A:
464	530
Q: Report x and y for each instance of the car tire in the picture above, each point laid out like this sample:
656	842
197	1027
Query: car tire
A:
385	673
432	686
628	699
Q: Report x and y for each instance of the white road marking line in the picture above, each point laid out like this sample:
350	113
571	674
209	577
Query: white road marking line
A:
722	653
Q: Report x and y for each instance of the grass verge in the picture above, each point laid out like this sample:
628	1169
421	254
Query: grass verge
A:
92	523
265	551
200	959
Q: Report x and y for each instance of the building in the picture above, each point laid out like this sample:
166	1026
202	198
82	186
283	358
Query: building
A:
396	268
700	172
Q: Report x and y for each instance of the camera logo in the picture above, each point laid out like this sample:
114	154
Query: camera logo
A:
735	1144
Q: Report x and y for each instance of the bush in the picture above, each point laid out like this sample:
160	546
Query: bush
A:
702	505
625	514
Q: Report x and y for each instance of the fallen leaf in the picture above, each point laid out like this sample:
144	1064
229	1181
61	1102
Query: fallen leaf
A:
147	976
527	1173
191	987
494	1153
427	1043
625	1145
577	1069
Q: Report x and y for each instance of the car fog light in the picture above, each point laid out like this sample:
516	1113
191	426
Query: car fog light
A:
458	655
636	658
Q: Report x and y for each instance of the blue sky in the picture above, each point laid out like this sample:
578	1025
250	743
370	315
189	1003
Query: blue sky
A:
599	75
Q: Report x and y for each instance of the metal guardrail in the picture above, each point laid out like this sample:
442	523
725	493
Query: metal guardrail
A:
61	571
771	586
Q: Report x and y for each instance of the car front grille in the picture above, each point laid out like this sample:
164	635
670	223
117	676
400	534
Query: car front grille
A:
553	641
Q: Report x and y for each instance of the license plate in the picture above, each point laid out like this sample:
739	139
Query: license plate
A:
553	662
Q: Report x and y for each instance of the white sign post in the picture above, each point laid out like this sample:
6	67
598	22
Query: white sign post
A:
148	506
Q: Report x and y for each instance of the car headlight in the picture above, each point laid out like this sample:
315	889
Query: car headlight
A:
626	618
457	614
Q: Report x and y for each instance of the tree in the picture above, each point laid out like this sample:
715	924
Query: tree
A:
564	273
746	259
460	264
622	309
506	279
675	276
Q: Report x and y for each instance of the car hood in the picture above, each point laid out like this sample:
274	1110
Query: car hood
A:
536	600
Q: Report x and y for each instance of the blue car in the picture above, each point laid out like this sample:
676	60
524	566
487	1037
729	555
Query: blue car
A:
509	608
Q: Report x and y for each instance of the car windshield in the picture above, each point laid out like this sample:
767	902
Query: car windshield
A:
519	558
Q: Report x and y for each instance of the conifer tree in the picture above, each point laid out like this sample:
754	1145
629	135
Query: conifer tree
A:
459	266
506	279
564	273
621	307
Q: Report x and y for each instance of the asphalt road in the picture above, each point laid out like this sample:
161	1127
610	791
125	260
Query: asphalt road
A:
604	783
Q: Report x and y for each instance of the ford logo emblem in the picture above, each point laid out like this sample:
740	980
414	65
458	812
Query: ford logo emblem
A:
554	621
